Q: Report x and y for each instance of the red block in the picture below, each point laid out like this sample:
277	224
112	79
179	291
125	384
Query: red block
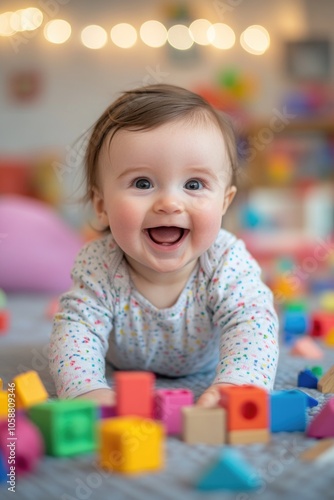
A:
134	393
4	321
321	323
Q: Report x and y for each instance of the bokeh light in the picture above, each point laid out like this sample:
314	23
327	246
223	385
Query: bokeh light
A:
6	28
94	37
153	33
123	35
179	37
199	31
221	36
255	40
57	31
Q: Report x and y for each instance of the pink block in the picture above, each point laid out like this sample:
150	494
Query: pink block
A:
167	407
322	425
28	447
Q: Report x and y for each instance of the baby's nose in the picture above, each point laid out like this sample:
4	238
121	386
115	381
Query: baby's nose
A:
168	204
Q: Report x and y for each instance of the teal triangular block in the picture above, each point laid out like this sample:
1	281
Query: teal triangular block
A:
229	472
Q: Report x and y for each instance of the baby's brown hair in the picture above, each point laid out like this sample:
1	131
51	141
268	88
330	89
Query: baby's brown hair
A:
145	108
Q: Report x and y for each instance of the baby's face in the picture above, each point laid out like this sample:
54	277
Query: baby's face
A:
163	193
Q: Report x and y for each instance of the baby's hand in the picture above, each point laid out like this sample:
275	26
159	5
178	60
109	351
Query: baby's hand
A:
100	396
211	397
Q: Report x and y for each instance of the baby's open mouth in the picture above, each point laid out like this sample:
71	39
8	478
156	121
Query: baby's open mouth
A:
166	235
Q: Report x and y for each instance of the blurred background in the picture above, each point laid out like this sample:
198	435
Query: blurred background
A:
270	65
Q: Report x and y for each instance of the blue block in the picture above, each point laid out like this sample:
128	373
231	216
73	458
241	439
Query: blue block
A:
288	411
311	402
307	379
3	470
229	472
295	322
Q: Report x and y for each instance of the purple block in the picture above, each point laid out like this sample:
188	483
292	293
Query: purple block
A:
167	407
107	411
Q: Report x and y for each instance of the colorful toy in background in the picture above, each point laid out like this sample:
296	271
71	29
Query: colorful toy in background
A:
132	440
231	92
39	254
4	315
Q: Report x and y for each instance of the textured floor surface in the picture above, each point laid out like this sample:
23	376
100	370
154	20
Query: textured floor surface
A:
283	474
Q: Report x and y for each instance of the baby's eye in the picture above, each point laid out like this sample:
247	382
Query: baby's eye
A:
193	185
142	184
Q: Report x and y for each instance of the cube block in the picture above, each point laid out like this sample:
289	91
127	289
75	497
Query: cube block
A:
203	425
131	444
69	427
247	407
134	393
168	404
288	411
29	389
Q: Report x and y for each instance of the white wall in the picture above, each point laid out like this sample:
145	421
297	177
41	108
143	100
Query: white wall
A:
79	83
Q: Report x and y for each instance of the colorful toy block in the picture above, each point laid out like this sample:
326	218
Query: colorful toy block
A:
131	445
322	425
306	348
107	411
307	379
167	407
288	411
321	453
326	301
247	409
3	469
3	405
134	393
321	323
329	338
326	383
23	448
229	472
311	402
317	371
69	427
295	322
29	389
4	321
203	425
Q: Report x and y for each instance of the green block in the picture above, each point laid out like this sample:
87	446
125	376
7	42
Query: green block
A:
295	306
69	427
317	371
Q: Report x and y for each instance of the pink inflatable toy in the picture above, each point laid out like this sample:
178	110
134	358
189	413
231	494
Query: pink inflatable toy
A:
37	248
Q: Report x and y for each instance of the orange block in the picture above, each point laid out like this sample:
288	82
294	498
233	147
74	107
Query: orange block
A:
134	393
247	407
29	389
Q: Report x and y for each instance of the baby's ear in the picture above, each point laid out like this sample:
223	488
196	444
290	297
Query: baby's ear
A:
228	197
98	204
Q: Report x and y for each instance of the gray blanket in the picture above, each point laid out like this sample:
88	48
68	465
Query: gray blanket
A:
283	475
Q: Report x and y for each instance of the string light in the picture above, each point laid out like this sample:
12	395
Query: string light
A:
123	35
255	40
221	36
199	31
179	37
94	37
153	33
57	31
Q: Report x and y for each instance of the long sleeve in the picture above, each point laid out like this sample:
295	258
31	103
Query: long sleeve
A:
243	311
81	329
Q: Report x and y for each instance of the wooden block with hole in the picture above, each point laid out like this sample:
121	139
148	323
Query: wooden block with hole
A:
203	425
326	383
247	411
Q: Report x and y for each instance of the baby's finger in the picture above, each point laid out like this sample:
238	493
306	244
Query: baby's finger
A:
209	398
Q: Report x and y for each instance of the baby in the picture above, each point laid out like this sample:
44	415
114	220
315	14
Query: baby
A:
165	289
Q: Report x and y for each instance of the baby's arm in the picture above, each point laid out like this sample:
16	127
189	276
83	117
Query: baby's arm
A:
243	310
79	338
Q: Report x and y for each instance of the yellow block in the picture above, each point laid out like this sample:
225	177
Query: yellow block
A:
3	405
1	384
29	389
326	301
131	444
329	339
